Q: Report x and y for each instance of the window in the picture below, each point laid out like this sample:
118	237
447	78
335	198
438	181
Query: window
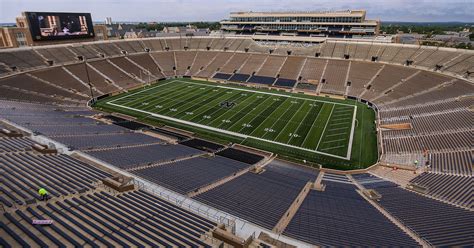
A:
21	39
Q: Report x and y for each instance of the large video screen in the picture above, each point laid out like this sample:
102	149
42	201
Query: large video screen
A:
59	26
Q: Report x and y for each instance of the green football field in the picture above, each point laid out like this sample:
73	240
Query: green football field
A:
307	127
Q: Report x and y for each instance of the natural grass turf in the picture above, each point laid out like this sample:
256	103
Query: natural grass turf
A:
297	121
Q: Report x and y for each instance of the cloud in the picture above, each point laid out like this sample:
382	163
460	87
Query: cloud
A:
213	10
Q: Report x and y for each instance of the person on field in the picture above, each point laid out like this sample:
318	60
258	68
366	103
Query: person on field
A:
43	194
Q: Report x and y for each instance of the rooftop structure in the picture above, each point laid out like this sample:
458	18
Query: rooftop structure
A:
340	24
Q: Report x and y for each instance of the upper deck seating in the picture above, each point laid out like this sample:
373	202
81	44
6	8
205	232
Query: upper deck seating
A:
58	54
271	67
291	68
107	49
21	59
115	74
215	64
98	81
61	78
335	76
85	51
130	46
145	61
313	70
35	86
166	62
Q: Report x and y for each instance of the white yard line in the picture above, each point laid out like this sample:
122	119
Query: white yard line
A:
156	86
342	115
179	98
342	119
256	115
312	124
301	122
151	97
335	129
331	141
346	110
236	112
278	119
244	135
332	148
220	130
337	124
336	116
324	130
335	134
268	93
195	103
288	122
217	110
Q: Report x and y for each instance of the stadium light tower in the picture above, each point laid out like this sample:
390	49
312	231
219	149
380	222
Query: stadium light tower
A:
89	79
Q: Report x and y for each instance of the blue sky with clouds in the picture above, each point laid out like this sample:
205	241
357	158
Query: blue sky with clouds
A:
213	10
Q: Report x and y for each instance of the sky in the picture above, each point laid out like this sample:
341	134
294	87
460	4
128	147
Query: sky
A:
215	10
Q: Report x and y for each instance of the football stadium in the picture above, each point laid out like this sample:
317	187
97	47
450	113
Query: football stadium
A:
251	137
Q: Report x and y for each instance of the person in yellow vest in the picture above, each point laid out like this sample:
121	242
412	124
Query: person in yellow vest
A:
43	194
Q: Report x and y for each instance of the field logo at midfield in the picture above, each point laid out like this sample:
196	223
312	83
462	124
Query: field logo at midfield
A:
227	104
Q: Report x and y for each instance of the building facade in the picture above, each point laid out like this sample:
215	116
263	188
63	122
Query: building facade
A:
338	24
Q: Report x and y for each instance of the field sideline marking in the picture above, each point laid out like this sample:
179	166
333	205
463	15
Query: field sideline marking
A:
239	134
351	136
